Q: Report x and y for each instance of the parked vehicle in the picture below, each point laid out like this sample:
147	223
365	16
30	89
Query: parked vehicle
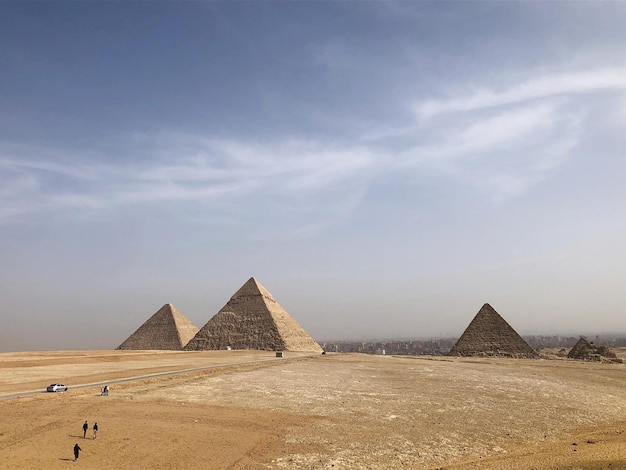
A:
56	388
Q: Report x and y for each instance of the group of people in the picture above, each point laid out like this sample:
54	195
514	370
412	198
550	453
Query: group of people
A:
77	448
86	428
103	391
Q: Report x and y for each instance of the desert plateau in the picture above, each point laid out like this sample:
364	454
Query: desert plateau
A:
252	410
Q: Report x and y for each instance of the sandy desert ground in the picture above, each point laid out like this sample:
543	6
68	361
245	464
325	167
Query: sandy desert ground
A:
340	411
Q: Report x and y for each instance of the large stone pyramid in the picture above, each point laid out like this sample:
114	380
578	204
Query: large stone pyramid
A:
252	319
489	334
166	329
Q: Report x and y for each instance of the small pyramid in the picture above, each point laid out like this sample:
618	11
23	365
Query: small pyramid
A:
489	334
166	329
583	348
588	351
252	319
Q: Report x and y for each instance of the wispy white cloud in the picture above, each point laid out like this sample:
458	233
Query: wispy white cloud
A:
285	166
543	87
505	141
207	171
74	171
501	142
474	138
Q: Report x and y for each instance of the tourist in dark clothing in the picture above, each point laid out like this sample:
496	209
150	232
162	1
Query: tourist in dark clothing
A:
95	429
76	451
85	427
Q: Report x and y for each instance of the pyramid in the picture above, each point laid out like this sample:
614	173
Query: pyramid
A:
489	334
588	351
166	329
252	319
583	348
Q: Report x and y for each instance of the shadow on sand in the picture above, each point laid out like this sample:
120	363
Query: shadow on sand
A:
69	460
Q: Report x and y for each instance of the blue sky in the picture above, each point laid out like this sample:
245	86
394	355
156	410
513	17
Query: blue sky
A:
383	168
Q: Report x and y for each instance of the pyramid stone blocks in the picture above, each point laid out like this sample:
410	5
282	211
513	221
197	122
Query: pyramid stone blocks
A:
166	329
489	334
587	351
252	319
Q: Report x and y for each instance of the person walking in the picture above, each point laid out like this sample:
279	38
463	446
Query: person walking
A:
95	429
77	450
85	428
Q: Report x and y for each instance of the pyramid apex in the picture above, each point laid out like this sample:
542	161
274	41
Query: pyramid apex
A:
253	287
254	280
488	310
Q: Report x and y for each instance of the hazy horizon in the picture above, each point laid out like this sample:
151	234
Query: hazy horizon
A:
382	168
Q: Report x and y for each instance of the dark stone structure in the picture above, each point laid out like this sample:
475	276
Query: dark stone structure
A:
489	334
587	351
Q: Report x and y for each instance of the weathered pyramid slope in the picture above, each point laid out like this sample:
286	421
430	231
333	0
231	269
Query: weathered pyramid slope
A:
581	349
166	329
588	351
252	319
489	334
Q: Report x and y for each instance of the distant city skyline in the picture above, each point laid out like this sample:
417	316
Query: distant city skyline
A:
382	168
